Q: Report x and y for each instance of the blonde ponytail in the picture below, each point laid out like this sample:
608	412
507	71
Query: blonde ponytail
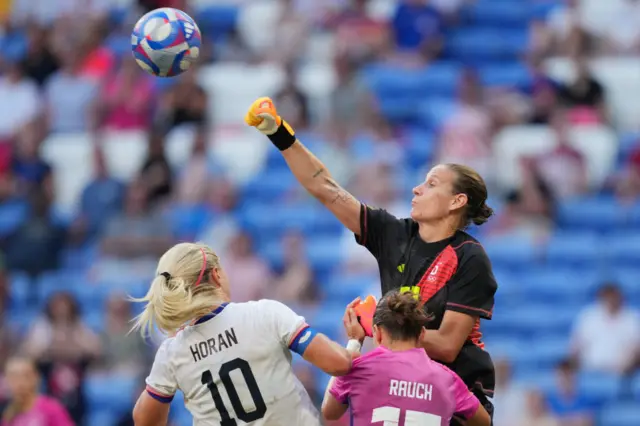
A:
181	290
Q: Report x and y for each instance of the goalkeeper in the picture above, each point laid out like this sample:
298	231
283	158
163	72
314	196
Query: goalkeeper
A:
429	254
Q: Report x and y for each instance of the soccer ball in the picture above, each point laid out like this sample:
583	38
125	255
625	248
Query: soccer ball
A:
165	42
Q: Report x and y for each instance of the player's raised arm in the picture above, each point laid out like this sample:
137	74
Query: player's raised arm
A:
305	166
293	332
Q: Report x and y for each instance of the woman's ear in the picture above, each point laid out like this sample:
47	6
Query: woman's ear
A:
459	201
377	337
216	277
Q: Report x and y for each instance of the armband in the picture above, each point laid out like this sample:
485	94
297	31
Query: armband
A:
302	340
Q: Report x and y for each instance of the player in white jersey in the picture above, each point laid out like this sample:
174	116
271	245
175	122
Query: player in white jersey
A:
232	361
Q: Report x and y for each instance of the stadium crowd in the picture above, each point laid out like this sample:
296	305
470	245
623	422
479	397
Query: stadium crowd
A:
103	167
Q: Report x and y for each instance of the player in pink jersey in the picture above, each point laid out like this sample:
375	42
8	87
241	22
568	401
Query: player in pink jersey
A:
397	384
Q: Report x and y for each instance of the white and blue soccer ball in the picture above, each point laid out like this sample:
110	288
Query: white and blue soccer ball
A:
166	42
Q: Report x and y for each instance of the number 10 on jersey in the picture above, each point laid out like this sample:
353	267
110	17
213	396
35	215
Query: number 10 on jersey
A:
234	398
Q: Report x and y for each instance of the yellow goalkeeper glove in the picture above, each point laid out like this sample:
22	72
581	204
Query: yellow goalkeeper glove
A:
263	116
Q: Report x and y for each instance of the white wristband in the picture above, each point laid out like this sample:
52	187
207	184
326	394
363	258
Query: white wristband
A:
353	345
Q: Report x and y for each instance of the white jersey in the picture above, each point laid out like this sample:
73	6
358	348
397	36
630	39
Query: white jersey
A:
234	368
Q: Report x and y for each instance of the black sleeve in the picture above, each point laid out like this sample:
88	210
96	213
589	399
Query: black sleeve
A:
380	230
473	286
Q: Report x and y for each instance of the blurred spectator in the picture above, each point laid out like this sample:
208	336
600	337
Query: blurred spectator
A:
627	184
63	347
8	336
544	96
127	98
244	267
39	62
184	103
510	399
584	97
124	352
567	401
604	325
305	373
30	170
70	96
24	106
222	201
137	231
466	135
292	102
536	194
564	168
563	33
375	186
536	413
417	29
514	220
156	171
359	36
295	283
290	34
97	60
101	199
36	246
351	101
622	35
194	179
27	406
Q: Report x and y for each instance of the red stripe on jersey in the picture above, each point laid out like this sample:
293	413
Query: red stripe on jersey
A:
438	274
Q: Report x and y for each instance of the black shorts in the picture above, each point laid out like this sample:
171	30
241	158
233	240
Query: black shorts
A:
484	401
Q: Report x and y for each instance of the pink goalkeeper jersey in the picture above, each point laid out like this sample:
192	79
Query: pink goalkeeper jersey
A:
403	388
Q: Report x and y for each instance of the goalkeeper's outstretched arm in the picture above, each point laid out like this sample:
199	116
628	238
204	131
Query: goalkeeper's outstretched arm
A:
306	167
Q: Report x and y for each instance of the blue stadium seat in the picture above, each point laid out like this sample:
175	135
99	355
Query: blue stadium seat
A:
600	386
531	377
103	417
439	79
481	45
511	253
574	248
620	414
538	319
434	112
635	386
398	108
595	213
12	214
563	286
628	278
119	44
506	75
216	22
269	186
341	287
111	392
189	221
504	13
20	288
622	249
324	253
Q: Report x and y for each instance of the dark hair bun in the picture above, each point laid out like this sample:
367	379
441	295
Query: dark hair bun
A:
482	215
